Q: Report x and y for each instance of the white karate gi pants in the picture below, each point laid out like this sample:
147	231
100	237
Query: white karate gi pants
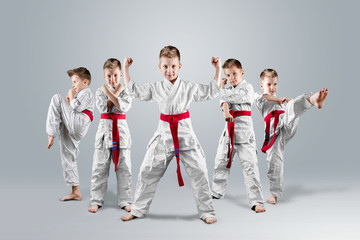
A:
248	159
153	168
103	159
275	155
71	127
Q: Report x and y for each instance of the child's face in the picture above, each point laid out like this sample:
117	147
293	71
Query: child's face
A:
170	67
112	76
234	75
269	85
78	84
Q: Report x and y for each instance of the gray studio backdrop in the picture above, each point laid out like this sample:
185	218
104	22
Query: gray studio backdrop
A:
312	44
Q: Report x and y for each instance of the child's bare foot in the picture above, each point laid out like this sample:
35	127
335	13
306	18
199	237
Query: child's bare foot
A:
210	220
51	141
127	208
272	200
94	208
259	209
128	217
75	195
318	98
72	196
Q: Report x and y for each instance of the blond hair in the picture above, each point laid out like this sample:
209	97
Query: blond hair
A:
270	73
169	52
81	72
232	62
112	63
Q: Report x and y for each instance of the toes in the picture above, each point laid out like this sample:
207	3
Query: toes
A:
210	220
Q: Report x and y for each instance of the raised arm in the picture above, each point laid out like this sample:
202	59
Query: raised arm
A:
112	96
140	92
279	100
216	62
80	102
127	64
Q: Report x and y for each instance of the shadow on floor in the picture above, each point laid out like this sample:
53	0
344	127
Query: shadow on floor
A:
294	191
172	217
239	200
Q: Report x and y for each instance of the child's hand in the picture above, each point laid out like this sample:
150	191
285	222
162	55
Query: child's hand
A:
223	83
68	99
127	62
216	62
71	93
228	117
281	101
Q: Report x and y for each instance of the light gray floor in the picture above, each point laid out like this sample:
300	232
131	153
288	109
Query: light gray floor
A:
308	210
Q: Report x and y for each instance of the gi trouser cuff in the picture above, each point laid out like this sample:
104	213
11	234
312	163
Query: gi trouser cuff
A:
124	204
203	216
137	213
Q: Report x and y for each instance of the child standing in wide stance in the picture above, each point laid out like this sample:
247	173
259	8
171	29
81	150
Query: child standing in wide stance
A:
174	136
112	141
69	118
237	137
281	123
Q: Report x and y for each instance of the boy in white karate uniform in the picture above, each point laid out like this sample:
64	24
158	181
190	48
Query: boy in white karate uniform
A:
281	123
112	141
174	136
237	137
69	118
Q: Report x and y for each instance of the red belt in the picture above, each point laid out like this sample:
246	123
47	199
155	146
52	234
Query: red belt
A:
231	131
87	112
274	114
173	120
115	134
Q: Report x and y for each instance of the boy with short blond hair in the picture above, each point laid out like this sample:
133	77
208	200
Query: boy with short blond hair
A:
237	137
174	136
69	118
112	141
281	123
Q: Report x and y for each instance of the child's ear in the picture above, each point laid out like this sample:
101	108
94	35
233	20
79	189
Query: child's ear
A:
121	74
159	66
180	65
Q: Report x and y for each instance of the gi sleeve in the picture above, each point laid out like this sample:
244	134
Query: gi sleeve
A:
81	101
259	100
237	96
101	101
205	92
140	92
124	101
